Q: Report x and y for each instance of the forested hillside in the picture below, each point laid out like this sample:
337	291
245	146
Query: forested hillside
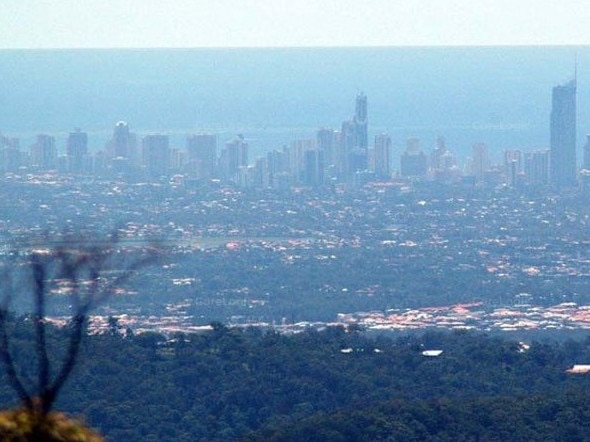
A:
335	384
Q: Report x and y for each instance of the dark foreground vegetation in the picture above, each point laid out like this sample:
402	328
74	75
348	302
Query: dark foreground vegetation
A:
335	384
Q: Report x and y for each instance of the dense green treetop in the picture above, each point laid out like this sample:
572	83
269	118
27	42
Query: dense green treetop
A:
236	383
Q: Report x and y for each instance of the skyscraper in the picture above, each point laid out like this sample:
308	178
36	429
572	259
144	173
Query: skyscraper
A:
327	140
413	162
361	122
202	154
437	154
563	135
77	150
44	153
512	166
156	154
233	157
297	157
479	163
358	155
10	154
382	156
348	147
123	142
354	141
313	167
536	167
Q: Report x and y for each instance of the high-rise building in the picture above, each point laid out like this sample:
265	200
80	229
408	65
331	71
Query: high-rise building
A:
277	161
335	154
536	167
77	150
202	154
313	167
233	157
178	160
10	155
358	155
382	156
296	153
436	156
361	122
44	153
347	146
352	155
512	166
327	140
123	143
277	168
563	135
156	154
443	164
479	163
413	161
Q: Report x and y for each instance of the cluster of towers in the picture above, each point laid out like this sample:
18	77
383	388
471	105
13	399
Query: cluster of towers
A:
150	156
556	166
334	156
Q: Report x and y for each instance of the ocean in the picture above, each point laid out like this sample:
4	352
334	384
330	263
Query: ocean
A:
497	95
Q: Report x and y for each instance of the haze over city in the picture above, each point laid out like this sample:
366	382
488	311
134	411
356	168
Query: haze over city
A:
294	220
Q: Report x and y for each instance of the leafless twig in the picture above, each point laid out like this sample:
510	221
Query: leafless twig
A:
89	271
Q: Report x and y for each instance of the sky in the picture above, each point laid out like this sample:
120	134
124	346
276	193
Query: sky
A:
290	23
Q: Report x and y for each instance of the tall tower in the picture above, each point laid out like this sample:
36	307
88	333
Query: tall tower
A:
10	154
512	166
313	167
297	152
202	154
233	157
355	139
77	150
156	154
121	140
479	162
413	162
361	122
327	139
123	143
382	156
563	135
44	153
536	167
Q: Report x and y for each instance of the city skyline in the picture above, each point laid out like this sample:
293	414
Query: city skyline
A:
347	144
333	157
195	191
475	98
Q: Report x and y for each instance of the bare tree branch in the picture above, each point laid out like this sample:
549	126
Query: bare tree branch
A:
78	266
39	271
9	366
69	363
5	354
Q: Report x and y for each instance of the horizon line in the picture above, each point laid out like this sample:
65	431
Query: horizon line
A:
290	47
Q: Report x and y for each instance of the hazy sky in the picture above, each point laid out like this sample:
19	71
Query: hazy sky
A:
222	23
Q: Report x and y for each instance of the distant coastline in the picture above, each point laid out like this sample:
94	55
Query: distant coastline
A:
498	95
